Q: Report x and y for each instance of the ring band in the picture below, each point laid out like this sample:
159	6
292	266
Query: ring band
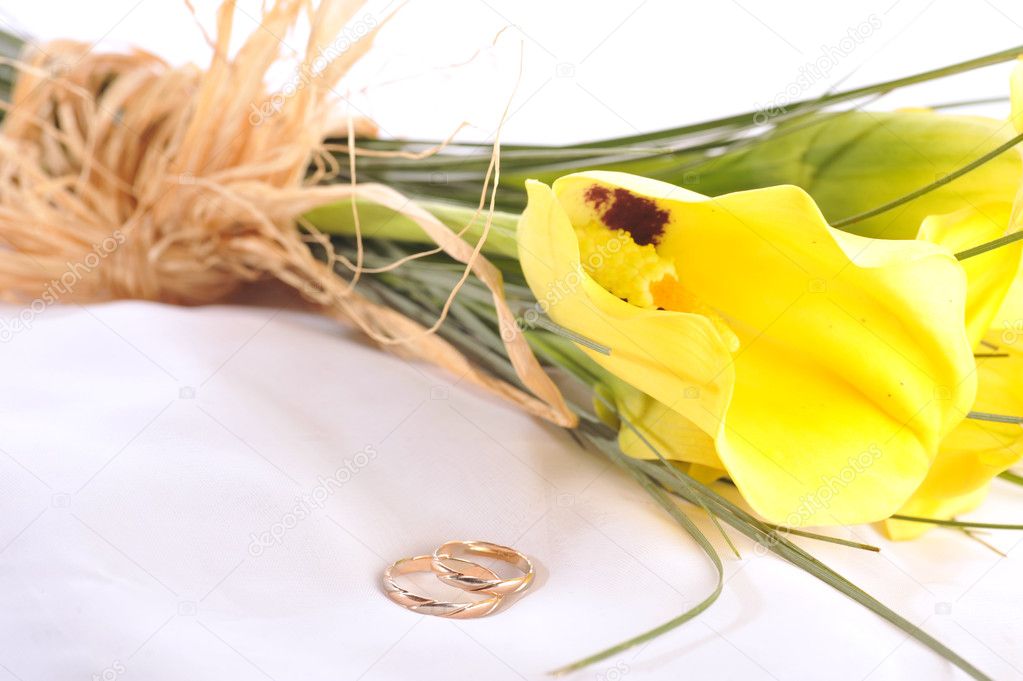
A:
429	606
463	573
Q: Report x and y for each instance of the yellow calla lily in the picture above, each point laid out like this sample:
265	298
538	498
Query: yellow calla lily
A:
825	367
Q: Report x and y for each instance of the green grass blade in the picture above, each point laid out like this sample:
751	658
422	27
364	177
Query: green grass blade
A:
665	502
1014	478
990	245
824	538
959	523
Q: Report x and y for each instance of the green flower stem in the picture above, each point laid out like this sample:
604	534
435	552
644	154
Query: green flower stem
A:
379	222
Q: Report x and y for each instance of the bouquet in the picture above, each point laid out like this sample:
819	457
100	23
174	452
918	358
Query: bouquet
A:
791	302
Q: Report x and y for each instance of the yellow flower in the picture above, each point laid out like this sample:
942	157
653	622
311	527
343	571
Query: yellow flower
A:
824	367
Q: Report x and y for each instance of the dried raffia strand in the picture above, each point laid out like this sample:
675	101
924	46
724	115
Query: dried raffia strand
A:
198	198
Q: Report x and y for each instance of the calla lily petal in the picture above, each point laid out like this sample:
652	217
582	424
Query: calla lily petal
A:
1009	320
1016	96
671	433
972	454
990	274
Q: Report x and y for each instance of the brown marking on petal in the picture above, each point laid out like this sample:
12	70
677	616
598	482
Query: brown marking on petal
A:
598	196
637	215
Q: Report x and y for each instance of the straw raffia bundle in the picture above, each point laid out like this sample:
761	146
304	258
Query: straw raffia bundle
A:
122	176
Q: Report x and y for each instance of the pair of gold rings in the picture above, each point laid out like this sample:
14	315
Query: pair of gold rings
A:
450	565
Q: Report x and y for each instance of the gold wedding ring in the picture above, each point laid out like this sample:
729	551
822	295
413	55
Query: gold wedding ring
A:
429	606
452	569
450	564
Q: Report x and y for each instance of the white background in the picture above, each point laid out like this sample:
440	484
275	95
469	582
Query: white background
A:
142	445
